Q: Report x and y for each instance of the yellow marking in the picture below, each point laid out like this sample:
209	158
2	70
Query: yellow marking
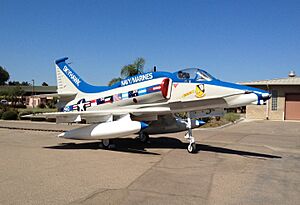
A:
188	93
200	91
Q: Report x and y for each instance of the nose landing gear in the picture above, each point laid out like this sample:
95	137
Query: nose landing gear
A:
192	147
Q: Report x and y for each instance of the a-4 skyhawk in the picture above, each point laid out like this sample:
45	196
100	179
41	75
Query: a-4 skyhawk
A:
145	104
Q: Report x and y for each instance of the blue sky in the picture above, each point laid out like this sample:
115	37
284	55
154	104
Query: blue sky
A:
233	40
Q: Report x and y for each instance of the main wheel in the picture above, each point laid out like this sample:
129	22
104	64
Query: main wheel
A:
192	147
144	137
105	143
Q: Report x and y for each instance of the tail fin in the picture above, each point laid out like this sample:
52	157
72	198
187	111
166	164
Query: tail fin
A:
63	76
69	82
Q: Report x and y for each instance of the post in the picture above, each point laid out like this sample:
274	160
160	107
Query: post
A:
32	93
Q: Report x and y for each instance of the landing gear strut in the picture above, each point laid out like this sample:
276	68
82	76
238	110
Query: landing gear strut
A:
106	144
189	136
143	137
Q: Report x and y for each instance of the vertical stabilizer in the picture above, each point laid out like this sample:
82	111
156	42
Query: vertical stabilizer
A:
69	82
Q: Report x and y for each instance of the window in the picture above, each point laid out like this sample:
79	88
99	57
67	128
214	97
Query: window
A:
194	74
274	99
202	76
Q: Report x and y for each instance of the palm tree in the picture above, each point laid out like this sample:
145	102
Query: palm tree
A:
114	80
137	67
133	69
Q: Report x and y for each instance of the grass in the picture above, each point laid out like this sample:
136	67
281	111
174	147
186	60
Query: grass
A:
227	118
37	110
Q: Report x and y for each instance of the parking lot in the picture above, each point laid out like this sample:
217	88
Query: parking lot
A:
255	162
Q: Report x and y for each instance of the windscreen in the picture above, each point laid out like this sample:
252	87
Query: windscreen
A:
194	74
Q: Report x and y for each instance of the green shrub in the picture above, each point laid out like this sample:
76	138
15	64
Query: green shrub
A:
1	112
4	107
42	106
231	117
10	115
20	105
51	104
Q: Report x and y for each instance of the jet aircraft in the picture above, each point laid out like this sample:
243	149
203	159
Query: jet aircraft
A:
145	104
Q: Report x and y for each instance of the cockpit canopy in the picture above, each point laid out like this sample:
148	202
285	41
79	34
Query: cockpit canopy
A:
194	74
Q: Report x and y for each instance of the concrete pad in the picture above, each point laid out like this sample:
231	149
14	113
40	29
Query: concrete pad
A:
248	163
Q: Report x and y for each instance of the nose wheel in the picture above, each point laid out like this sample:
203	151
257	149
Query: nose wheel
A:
192	147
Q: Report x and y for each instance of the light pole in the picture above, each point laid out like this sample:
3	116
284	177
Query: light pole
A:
32	93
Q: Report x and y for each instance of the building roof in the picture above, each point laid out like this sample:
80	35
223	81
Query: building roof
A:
278	81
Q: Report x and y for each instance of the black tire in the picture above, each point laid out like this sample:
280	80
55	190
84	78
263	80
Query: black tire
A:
105	143
192	148
144	137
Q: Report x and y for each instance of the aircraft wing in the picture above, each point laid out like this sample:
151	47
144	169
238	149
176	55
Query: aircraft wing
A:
134	111
102	115
147	112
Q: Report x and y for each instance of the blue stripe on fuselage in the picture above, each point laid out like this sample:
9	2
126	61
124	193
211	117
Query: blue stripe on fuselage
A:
233	85
87	88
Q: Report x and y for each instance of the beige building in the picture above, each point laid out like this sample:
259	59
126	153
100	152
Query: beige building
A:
284	103
29	91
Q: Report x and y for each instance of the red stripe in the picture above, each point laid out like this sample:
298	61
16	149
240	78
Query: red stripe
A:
157	87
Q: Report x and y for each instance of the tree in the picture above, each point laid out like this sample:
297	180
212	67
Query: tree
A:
45	84
133	69
4	76
128	70
13	94
114	80
137	67
13	83
25	83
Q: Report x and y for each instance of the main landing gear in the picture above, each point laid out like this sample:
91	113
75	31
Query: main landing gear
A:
143	137
192	148
106	144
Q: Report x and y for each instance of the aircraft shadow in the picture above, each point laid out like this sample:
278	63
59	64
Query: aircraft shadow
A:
135	146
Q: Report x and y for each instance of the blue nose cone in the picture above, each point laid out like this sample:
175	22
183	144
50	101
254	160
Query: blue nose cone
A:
144	125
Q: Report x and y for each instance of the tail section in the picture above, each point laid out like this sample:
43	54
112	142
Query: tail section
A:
63	76
69	82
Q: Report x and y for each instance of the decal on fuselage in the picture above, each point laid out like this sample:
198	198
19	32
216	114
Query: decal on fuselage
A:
72	76
82	104
200	91
188	93
137	79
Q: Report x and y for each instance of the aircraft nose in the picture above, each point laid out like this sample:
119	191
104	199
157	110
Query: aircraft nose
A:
262	97
266	96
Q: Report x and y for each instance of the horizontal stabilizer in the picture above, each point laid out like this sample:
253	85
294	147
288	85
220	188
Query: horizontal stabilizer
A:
57	95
